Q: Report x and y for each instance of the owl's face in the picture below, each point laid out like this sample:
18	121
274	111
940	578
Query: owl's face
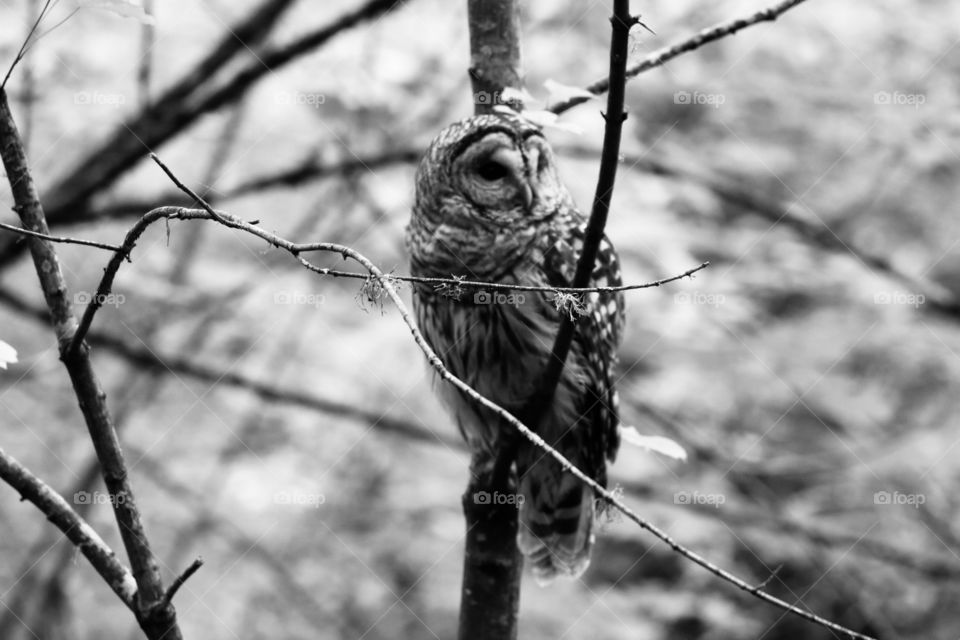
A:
484	187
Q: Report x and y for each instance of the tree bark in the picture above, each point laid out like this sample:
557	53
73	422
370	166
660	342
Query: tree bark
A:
155	615
492	564
495	61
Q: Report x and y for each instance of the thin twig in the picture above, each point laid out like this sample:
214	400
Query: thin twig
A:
60	239
226	141
178	582
661	56
187	190
106	283
445	284
450	286
773	574
25	45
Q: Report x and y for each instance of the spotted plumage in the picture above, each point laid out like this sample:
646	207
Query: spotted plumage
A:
490	207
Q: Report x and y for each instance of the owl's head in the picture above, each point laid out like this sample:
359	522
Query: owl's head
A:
483	188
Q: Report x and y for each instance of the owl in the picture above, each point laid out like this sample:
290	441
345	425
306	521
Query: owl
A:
490	207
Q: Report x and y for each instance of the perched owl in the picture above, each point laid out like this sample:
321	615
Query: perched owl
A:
490	207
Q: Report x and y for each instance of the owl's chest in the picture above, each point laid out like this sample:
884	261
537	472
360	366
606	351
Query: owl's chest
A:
495	340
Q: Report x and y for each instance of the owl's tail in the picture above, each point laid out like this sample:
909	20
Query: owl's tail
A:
556	521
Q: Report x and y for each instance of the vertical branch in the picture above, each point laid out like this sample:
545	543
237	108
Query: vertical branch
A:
621	22
494	51
492	564
155	615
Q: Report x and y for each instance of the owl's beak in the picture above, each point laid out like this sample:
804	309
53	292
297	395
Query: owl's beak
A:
531	161
528	195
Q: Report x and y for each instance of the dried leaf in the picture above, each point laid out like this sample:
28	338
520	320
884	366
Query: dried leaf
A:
657	444
563	92
550	120
512	94
8	355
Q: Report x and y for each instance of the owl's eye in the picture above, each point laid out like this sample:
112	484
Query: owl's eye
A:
491	171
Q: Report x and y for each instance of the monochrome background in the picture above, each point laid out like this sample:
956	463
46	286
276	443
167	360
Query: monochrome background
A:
291	437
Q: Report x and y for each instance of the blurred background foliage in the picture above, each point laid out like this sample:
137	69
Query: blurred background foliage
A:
811	371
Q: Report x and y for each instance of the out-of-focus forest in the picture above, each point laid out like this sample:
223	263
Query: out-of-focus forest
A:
283	427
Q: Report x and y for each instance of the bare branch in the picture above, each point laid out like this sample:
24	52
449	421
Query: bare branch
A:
26	43
49	238
81	534
452	286
446	284
661	56
157	622
495	58
196	199
178	582
492	562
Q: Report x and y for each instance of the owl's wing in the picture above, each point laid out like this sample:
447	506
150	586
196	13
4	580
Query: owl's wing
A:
560	260
598	331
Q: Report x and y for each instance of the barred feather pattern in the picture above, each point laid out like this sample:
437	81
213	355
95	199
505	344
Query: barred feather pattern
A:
490	207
